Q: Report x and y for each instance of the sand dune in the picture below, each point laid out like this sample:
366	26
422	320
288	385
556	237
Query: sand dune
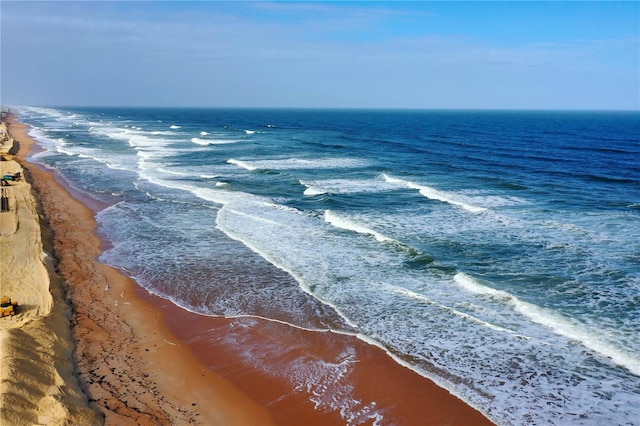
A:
37	385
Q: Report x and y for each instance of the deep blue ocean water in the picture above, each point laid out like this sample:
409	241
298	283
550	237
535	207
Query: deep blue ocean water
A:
497	253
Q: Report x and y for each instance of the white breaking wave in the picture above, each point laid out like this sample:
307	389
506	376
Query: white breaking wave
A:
201	141
343	186
344	223
145	142
424	299
311	191
299	163
243	164
61	146
560	324
435	194
112	132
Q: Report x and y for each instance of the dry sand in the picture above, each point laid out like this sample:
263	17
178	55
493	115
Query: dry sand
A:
138	359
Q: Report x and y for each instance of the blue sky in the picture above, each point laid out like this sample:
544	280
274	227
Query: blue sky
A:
487	55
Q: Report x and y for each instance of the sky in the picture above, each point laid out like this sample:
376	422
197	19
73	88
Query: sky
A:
365	54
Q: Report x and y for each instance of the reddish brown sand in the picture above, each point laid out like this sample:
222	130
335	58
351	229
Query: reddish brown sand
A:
143	360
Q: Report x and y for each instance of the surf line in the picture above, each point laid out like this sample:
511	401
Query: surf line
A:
247	316
277	321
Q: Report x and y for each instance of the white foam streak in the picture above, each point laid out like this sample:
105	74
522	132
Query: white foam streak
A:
258	317
61	146
311	191
424	299
142	142
344	186
111	132
560	324
435	194
347	224
257	218
299	163
205	142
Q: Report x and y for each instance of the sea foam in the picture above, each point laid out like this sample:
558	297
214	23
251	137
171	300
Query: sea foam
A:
559	323
344	223
243	164
299	163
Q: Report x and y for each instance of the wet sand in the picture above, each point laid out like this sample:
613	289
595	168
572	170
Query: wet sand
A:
142	360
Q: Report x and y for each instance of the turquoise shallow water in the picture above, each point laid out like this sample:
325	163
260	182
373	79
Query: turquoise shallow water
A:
497	253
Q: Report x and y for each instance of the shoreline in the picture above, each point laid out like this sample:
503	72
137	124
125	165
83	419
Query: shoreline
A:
128	338
122	368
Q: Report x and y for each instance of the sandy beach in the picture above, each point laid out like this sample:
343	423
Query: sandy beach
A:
90	346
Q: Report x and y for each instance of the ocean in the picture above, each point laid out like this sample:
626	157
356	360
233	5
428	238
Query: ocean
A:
494	252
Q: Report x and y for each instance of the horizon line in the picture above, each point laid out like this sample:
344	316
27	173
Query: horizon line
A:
329	108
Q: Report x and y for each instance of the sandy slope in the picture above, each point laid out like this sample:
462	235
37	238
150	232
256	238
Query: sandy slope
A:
37	385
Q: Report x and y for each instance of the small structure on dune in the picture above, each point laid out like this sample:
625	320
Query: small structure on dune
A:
8	307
